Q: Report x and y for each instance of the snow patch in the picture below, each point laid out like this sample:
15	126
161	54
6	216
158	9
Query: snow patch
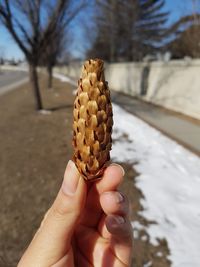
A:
159	254
64	78
169	177
45	112
148	264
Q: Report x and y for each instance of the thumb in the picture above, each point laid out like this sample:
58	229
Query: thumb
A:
53	239
68	205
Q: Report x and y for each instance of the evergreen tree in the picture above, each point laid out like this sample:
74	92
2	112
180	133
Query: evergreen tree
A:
128	29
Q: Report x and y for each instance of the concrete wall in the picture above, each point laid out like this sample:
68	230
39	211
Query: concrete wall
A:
73	70
174	85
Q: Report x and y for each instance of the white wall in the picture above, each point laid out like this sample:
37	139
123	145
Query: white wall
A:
73	70
124	77
174	85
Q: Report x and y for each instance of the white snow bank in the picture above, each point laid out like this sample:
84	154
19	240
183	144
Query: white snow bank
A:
64	78
170	181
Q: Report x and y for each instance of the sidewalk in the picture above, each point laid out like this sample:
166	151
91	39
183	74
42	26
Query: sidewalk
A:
180	128
10	80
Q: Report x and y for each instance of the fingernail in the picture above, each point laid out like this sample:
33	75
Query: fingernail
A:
119	197
71	179
122	169
118	219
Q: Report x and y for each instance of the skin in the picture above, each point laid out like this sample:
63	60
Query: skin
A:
87	225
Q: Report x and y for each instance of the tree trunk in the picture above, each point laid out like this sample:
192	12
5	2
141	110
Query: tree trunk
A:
50	76
112	33
35	85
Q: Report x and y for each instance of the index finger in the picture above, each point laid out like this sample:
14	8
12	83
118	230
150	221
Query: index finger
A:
112	178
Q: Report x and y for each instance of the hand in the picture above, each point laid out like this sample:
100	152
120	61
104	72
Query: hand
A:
87	225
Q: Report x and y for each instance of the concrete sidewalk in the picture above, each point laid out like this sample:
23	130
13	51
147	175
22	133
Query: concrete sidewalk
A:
13	86
10	80
182	129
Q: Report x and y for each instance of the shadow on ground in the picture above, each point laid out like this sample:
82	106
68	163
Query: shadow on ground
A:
144	253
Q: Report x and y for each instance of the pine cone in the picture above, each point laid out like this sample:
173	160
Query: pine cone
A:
93	120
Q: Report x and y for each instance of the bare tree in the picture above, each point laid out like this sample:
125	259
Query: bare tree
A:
2	54
51	54
195	7
58	39
129	29
33	37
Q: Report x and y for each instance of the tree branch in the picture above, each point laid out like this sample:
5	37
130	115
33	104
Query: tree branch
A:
7	16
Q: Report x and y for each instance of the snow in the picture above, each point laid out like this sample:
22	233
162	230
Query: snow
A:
64	78
169	178
148	264
159	254
67	79
44	112
144	238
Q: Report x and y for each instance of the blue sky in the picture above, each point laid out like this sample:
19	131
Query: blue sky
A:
10	50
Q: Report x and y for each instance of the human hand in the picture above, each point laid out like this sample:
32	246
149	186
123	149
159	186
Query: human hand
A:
87	225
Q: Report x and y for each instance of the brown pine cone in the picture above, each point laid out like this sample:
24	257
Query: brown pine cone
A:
93	120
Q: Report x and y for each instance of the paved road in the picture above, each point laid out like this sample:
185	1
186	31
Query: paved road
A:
10	79
180	128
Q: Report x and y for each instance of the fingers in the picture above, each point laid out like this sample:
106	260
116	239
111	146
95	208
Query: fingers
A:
121	234
115	224
53	239
112	178
110	181
119	226
113	204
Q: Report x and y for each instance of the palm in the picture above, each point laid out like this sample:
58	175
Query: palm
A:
95	250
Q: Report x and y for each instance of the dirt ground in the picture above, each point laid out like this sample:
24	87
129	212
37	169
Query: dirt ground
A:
35	148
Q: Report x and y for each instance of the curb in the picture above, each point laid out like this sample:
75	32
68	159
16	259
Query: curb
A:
13	86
